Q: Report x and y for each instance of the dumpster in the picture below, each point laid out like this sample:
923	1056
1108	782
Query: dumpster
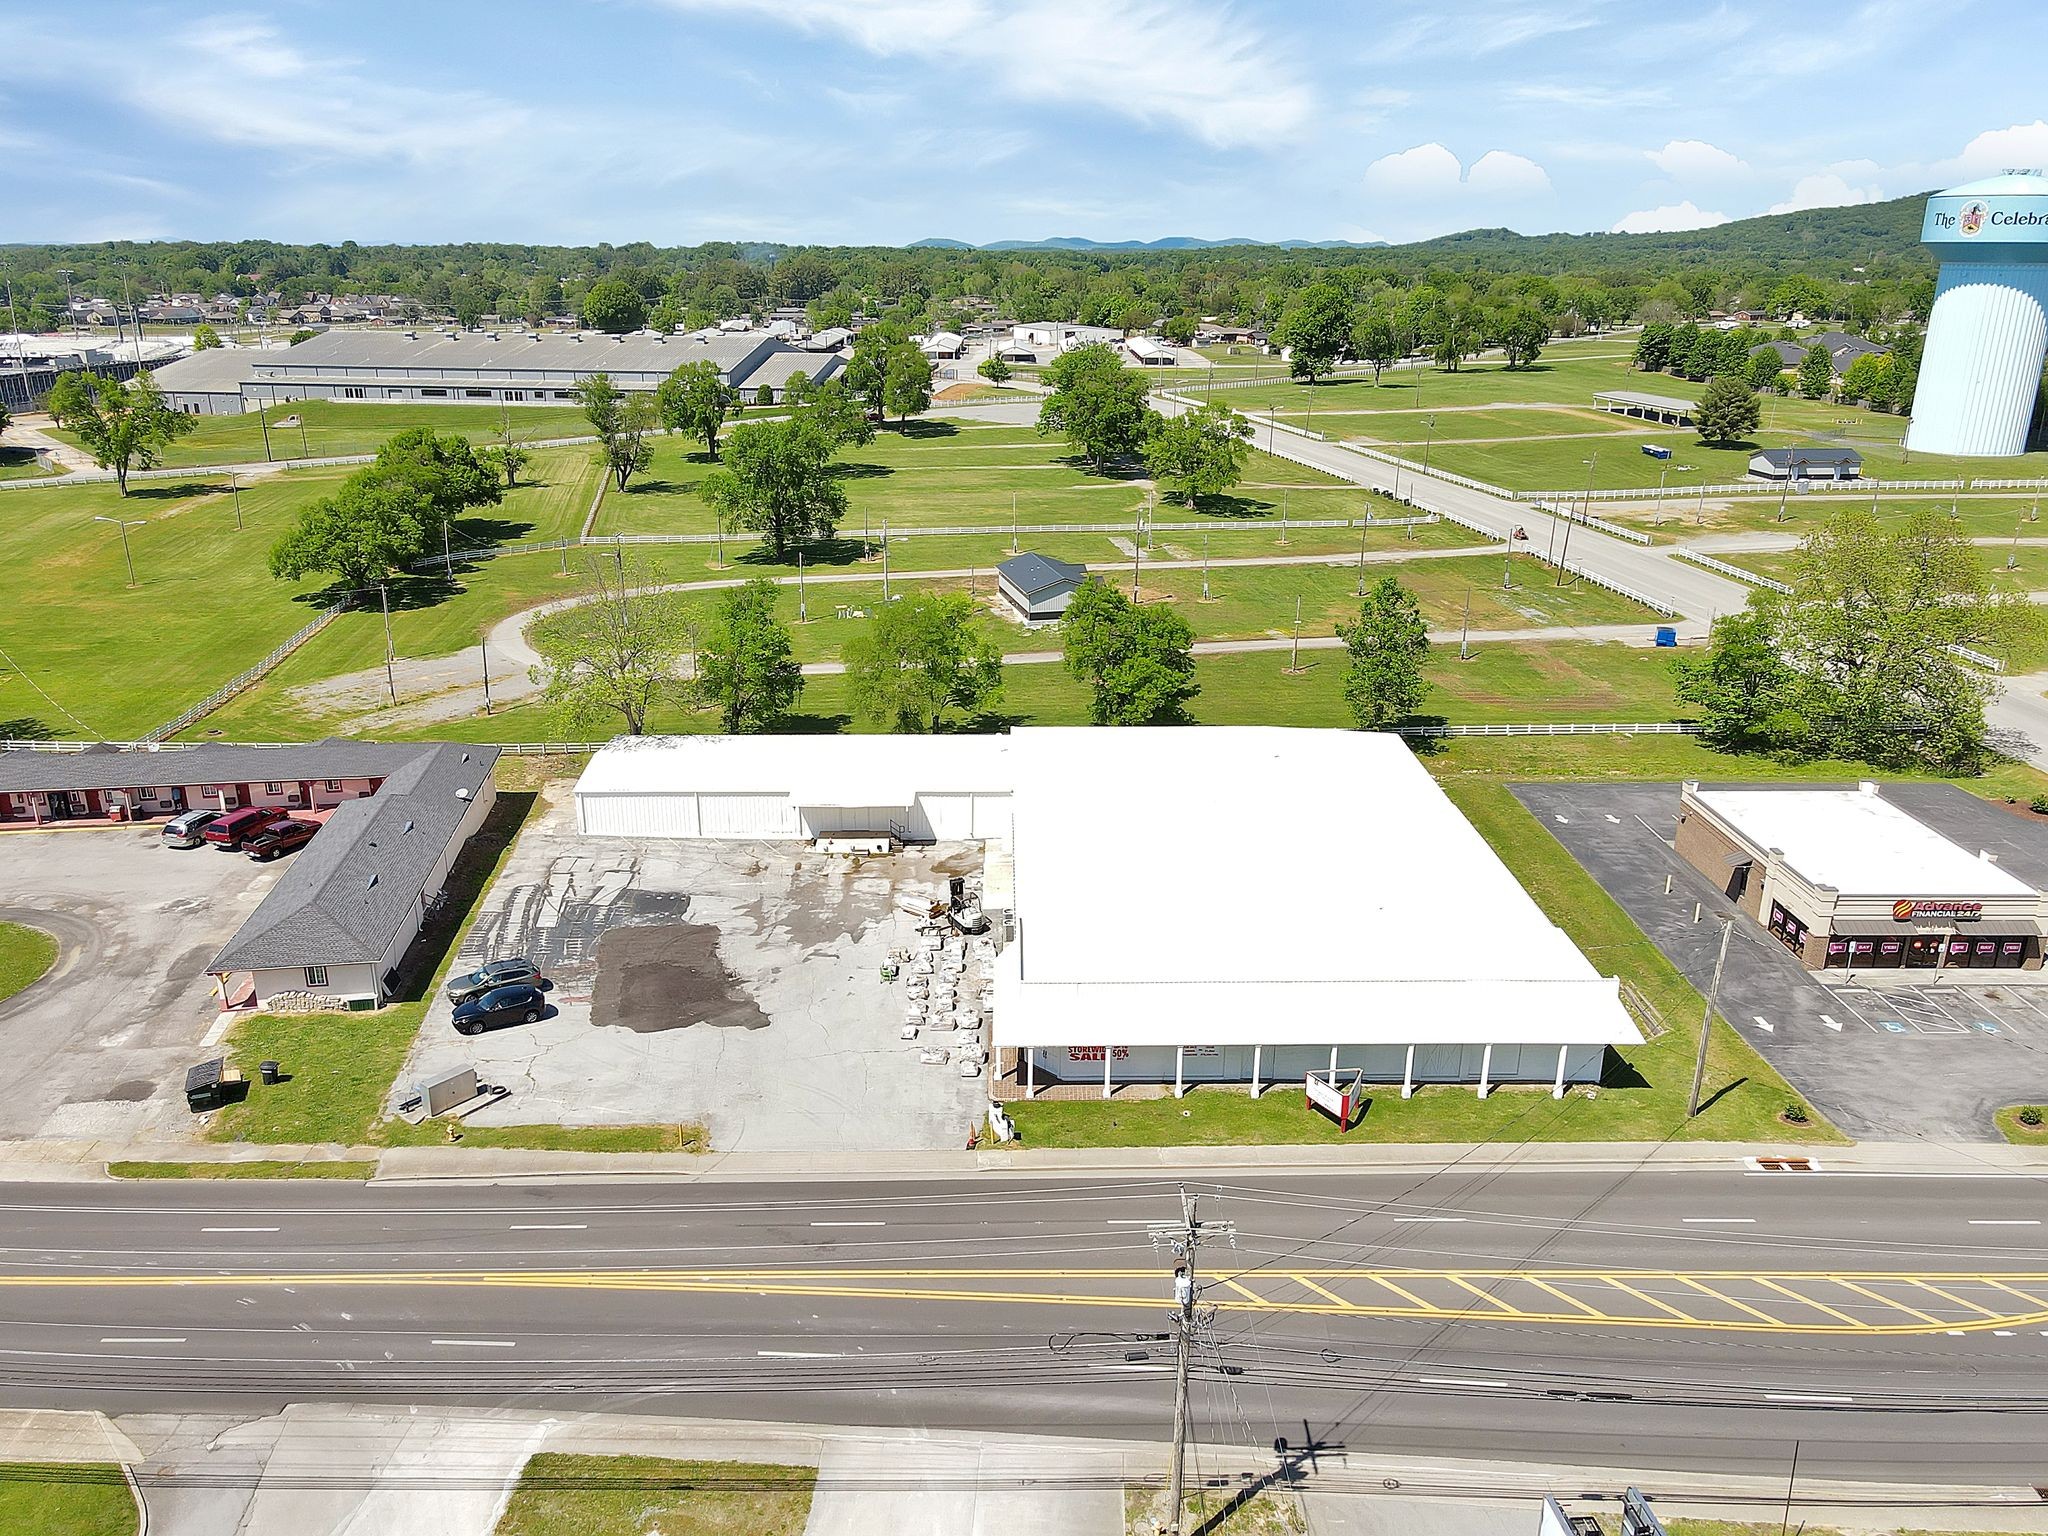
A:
1666	635
212	1084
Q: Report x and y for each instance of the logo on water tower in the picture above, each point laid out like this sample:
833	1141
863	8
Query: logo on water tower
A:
1973	218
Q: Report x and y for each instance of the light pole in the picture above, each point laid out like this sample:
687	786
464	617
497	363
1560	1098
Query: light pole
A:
390	677
1699	1066
235	485
1205	565
1430	437
126	554
803	607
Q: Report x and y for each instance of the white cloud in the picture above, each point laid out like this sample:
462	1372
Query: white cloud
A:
1696	160
1500	174
1825	189
1432	172
2023	146
1217	78
1670	217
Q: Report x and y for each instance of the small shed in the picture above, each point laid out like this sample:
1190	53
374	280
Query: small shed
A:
1807	464
1038	587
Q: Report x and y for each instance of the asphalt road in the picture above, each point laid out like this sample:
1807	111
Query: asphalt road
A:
1894	1327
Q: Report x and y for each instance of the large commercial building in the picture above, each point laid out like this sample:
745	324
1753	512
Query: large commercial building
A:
479	368
1980	373
1274	903
1845	879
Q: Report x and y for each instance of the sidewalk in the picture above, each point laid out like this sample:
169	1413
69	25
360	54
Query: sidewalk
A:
86	1161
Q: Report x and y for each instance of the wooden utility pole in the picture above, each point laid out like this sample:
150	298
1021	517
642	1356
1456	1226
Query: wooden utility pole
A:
1183	1241
1699	1066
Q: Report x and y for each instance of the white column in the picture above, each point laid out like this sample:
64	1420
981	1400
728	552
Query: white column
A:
1255	1069
1408	1076
1333	1061
1485	1071
1557	1088
1178	1087
1108	1051
1030	1072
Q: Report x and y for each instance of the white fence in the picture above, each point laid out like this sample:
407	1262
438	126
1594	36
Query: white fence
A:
1694	557
1445	475
244	678
1744	488
1587	520
1660	728
2036	484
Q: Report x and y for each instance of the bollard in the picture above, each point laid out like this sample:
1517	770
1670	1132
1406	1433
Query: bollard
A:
1667	883
1695	911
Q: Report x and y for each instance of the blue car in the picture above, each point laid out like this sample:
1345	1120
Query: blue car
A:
501	1005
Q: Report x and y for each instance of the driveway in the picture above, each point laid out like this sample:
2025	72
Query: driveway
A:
1885	1057
99	1047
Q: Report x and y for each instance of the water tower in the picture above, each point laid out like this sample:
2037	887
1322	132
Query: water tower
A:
1988	332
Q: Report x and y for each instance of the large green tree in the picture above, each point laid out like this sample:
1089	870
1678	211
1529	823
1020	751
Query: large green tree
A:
1745	692
1816	372
695	400
906	381
778	480
444	468
615	652
747	665
205	338
920	660
1137	658
1728	410
621	422
1097	404
1315	329
369	529
614	306
125	427
1373	341
1201	452
1521	333
1384	649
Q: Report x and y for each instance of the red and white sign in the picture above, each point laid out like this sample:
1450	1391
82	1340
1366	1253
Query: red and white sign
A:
1336	1094
1903	911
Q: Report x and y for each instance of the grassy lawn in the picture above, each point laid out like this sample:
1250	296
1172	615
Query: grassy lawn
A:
335	427
65	1499
255	1169
25	954
1977	516
1218	1511
564	1495
22	464
1412	428
2017	1131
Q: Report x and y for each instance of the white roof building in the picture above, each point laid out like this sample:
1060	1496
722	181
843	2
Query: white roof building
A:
1858	842
1329	908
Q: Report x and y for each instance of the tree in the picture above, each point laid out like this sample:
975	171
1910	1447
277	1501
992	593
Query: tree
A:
1203	452
509	454
747	665
1869	379
445	470
616	652
1728	410
370	528
695	400
906	381
6	417
302	334
994	369
831	409
621	422
1816	372
1373	341
1179	329
1762	368
1521	333
867	370
665	317
777	479
205	338
1137	658
614	306
1315	329
1383	682
1743	687
123	426
1097	404
919	658
1653	347
1799	295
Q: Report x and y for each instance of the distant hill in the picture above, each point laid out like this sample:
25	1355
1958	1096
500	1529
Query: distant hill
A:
1169	243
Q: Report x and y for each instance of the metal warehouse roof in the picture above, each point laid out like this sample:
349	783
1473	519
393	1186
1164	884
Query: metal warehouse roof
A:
216	371
1647	402
811	770
110	767
1858	842
1032	573
349	893
579	353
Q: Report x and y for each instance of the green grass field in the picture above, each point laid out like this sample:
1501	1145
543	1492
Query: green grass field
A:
1984	515
244	1169
559	1494
65	1499
25	955
22	464
335	427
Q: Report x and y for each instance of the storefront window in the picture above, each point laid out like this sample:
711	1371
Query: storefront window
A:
1891	951
1862	951
1923	950
1789	929
1838	952
1958	952
2012	952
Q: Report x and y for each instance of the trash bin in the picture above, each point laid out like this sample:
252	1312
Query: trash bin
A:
269	1072
1666	635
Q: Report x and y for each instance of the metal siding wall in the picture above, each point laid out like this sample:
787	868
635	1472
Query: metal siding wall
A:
728	815
602	815
1986	337
992	817
949	817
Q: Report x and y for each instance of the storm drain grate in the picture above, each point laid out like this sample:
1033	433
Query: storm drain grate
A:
1783	1165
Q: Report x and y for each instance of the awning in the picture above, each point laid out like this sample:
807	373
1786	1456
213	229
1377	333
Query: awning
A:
1988	927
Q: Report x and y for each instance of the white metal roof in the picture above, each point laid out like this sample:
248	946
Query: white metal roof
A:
1858	842
811	770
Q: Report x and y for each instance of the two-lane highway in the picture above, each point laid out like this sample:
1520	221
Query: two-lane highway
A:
1895	1327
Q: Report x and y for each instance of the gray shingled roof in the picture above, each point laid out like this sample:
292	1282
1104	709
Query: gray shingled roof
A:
23	769
349	892
1032	573
1783	457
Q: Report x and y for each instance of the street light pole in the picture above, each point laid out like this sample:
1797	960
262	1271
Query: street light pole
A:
235	485
127	555
390	678
1699	1066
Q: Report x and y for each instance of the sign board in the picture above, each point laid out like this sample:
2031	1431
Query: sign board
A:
1904	911
1336	1094
2008	219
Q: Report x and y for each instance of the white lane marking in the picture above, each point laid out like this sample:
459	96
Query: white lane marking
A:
849	1223
1127	1221
474	1343
797	1354
178	1340
1764	1023
2001	1333
1615	819
238	1229
1429	1218
1834	1024
549	1226
1719	1221
1804	1397
1465	1381
2000	1221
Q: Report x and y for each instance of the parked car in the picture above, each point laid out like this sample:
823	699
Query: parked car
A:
236	827
188	828
279	837
498	973
520	1004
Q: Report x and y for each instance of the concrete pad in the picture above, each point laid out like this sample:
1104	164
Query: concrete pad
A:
1333	1514
49	1434
910	1485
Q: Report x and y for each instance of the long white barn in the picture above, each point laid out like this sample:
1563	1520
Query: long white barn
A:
1236	905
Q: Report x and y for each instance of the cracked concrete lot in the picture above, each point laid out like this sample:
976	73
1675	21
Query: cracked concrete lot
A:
733	984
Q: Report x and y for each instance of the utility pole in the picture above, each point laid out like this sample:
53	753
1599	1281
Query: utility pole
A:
1283	514
1013	522
447	558
235	485
1699	1066
1183	1241
885	559
1364	528
1294	655
124	525
1465	631
1205	565
390	678
1137	531
483	651
803	607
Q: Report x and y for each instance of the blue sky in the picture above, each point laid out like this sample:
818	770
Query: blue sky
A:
883	121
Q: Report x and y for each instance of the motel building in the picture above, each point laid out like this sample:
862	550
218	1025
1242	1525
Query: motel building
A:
1303	901
1846	880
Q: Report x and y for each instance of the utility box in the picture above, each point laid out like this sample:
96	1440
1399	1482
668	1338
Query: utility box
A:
440	1094
1666	635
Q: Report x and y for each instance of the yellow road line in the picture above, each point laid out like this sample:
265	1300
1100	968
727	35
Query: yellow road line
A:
1459	1280
1897	1306
1740	1306
1544	1285
1623	1285
1958	1300
1248	1295
1818	1306
1413	1300
2032	1301
1322	1291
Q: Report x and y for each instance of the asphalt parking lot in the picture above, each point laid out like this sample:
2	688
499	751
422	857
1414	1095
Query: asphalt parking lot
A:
1883	1056
733	984
99	1047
